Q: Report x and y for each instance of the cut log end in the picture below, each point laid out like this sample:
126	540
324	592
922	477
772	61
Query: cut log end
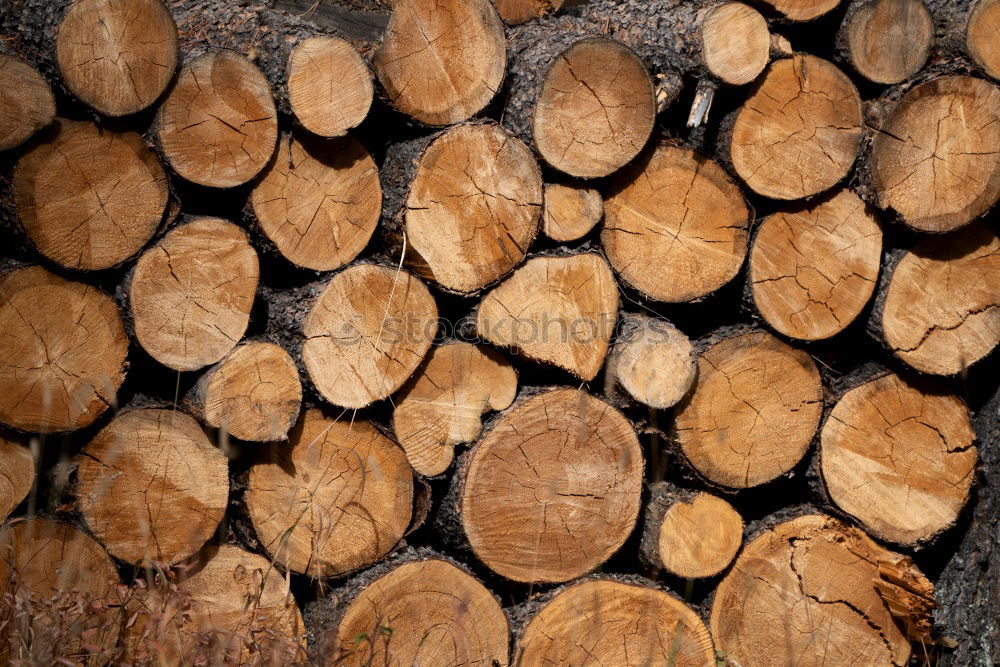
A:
17	474
736	43
798	132
89	198
697	535
654	361
571	211
26	102
151	486
254	393
330	87
936	158
117	57
811	586
754	410
801	10
442	405
191	294
42	557
941	312
366	334
553	488
595	109
442	62
218	125
698	237
888	41
473	207
425	612
65	356
337	497
557	310
981	36
898	456
516	12
610	623
319	201
812	270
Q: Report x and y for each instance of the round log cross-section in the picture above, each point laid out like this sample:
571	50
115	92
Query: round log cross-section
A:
553	488
218	125
89	198
335	498
64	351
366	334
899	457
117	56
754	410
595	109
151	486
329	86
936	160
26	102
798	132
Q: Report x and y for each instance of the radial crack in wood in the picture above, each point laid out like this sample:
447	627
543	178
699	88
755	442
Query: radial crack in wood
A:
553	488
442	405
337	497
117	56
89	198
64	351
557	310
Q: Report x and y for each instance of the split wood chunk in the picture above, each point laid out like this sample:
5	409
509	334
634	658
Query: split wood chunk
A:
595	109
218	125
319	201
26	102
690	534
553	488
442	61
473	207
610	623
106	203
17	474
571	211
41	557
424	612
556	310
798	132
117	56
801	10
983	36
940	309
813	269
336	498
366	333
151	486
64	351
254	393
806	592
191	294
735	42
675	225
936	158
886	41
754	410
515	12
330	87
654	361
242	604
898	456
442	405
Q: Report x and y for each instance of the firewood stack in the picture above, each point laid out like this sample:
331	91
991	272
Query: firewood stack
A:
524	332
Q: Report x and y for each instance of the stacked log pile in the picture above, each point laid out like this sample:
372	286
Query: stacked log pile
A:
500	332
